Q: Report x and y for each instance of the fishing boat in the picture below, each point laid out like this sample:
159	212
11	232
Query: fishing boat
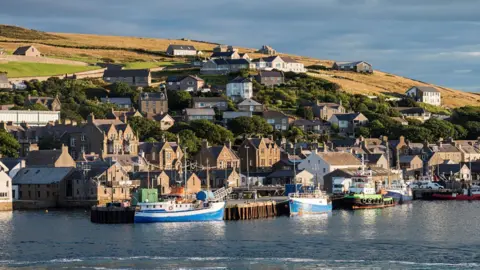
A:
362	194
400	192
208	207
309	203
469	194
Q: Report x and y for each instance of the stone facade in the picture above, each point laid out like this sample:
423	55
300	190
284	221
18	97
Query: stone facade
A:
263	153
153	103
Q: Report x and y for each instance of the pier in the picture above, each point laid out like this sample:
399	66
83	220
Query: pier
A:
253	210
112	215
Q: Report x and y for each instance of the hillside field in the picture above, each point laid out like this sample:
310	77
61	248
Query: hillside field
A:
26	69
137	52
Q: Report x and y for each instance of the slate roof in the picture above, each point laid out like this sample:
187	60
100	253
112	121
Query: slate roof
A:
21	50
256	141
11	162
264	73
347	116
206	111
238	61
449	168
213	174
348	142
340	158
42	157
373	158
266	59
288	59
330	105
249	102
147	147
117	100
182	47
182	77
126	73
41	175
274	114
427	89
305	122
283	174
240	80
345	63
444	147
406	159
232	115
222	54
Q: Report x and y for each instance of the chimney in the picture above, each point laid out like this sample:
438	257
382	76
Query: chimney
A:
402	140
229	144
142	153
204	144
178	139
64	149
67	122
90	118
440	142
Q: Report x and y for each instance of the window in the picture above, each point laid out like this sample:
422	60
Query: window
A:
72	142
48	194
324	170
7	183
82	138
38	194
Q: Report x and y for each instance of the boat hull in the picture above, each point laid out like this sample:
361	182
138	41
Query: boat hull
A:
458	197
370	201
399	198
213	213
308	206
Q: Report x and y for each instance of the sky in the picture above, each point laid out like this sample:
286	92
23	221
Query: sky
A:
436	41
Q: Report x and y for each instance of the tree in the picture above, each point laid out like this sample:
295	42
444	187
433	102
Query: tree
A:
178	100
146	128
362	131
120	89
261	125
214	134
295	133
440	128
242	125
189	140
417	134
48	143
9	146
305	112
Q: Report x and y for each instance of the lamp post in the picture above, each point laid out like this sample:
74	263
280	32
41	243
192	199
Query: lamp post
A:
185	173
248	168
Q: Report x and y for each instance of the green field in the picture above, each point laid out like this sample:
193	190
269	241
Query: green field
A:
27	69
140	65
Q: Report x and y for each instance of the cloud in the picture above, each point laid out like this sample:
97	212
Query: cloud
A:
424	40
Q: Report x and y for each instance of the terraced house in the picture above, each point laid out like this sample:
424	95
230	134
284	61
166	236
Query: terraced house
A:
263	153
132	77
221	157
162	155
53	104
181	50
153	103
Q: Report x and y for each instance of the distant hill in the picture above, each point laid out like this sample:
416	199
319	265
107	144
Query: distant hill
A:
92	48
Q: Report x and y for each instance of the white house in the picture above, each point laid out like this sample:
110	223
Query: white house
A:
13	165
425	94
347	122
319	164
5	189
240	88
181	50
282	63
32	118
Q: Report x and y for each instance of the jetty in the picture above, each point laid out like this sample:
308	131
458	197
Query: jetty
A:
112	214
426	194
248	210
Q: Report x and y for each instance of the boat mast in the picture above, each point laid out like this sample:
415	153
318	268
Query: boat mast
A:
388	164
185	174
294	168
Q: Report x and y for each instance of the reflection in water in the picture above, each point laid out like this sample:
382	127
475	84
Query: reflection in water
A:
317	224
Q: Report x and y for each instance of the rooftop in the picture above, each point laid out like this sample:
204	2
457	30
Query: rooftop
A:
182	47
340	159
249	102
126	73
41	175
206	111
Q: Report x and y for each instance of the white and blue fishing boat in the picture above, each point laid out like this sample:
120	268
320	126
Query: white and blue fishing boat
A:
400	192
208	207
309	203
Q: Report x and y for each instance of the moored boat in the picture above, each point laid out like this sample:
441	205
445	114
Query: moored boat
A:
309	203
208	207
400	193
470	194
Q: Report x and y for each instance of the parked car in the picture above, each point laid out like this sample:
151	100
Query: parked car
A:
431	185
417	184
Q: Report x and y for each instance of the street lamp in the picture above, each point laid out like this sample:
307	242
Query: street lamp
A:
248	168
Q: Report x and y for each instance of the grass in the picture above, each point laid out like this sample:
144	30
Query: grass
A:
215	79
10	31
26	69
435	109
140	65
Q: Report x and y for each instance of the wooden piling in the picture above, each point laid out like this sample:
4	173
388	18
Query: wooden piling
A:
247	211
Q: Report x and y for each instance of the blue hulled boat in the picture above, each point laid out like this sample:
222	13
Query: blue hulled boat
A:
309	203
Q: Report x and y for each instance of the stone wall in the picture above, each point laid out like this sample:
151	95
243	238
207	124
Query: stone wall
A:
6	206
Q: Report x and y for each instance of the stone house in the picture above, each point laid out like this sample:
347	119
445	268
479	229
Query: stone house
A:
27	51
441	152
153	179
219	178
358	66
265	49
185	83
162	155
153	103
177	183
53	104
123	116
220	103
181	50
324	111
348	122
225	55
470	150
425	94
313	126
221	157
95	183
250	105
120	102
199	114
39	187
414	112
230	115
378	160
132	77
4	84
50	158
321	163
278	120
164	119
412	166
224	48
263	153
270	78
240	88
455	172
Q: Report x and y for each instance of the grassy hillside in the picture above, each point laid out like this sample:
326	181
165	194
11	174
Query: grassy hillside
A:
26	69
137	52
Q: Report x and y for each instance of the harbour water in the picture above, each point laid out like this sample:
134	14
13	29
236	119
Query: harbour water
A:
421	235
